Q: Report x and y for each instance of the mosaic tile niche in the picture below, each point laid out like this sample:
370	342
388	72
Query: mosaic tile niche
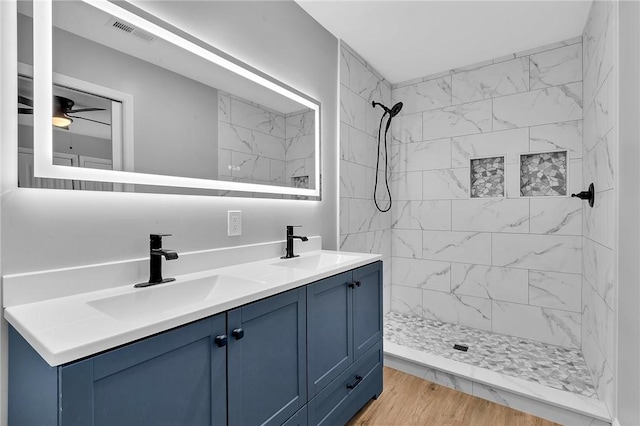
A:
300	182
487	177
543	174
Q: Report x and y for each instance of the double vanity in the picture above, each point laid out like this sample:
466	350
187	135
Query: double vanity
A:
273	341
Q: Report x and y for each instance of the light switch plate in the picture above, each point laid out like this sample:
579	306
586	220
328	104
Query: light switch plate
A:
234	222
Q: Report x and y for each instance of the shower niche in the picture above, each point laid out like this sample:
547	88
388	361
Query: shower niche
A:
543	174
487	177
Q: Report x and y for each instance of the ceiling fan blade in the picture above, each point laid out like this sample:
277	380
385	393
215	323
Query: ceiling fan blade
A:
25	111
88	119
73	111
25	101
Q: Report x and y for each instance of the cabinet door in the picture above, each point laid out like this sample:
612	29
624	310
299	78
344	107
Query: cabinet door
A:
174	378
267	359
329	330
367	307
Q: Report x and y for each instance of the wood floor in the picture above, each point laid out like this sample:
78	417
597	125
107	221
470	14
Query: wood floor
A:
409	400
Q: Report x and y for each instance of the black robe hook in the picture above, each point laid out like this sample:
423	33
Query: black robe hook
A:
589	195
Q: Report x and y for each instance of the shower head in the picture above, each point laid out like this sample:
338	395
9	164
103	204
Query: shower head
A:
395	110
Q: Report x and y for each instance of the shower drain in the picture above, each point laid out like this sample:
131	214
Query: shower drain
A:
462	348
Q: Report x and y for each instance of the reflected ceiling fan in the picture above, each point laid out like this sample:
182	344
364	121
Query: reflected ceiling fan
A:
62	107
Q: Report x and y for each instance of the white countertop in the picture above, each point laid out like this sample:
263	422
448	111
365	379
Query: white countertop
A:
65	329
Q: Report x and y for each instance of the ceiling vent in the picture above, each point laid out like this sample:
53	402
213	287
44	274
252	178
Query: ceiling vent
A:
125	27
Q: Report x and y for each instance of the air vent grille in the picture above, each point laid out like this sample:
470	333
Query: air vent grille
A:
123	26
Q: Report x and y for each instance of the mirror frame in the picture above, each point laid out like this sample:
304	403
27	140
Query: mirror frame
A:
43	92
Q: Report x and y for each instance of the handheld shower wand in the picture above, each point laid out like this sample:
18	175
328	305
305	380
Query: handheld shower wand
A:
395	110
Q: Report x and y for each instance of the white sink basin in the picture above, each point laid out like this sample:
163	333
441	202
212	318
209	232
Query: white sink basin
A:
316	261
162	298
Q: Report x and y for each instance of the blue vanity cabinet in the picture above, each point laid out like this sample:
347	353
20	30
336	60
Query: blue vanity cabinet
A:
344	321
311	355
267	360
344	335
174	378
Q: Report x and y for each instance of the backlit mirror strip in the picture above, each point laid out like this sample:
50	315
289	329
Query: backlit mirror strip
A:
43	152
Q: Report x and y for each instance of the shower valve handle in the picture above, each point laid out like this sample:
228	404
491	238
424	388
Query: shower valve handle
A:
589	195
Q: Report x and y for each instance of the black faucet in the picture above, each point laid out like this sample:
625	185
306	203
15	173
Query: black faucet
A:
290	238
156	253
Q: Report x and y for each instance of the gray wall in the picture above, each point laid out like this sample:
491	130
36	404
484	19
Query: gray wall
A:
44	229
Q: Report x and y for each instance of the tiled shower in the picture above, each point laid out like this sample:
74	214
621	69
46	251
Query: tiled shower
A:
508	260
483	232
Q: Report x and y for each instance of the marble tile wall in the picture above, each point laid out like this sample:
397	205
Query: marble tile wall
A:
259	145
598	223
508	264
362	227
299	148
251	144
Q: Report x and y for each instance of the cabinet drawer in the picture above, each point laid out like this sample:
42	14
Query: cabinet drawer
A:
344	397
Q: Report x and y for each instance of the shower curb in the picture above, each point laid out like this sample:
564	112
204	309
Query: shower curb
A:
542	401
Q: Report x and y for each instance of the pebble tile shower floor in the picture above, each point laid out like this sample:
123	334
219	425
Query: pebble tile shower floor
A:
553	366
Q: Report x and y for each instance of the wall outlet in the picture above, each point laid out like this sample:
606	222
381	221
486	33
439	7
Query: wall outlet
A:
234	222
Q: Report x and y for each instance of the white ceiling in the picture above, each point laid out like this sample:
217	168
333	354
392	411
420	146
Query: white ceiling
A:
404	40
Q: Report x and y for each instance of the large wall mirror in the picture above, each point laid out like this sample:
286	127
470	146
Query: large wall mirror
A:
111	98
